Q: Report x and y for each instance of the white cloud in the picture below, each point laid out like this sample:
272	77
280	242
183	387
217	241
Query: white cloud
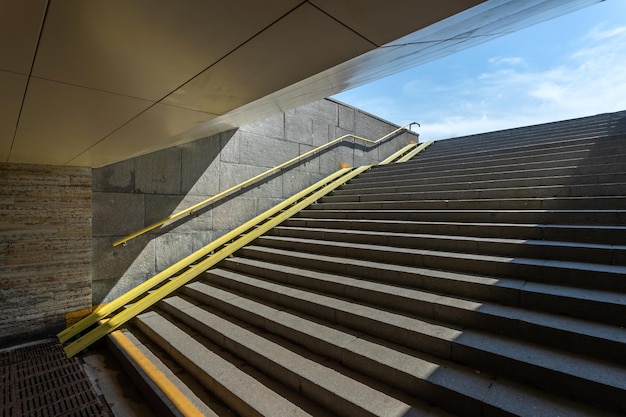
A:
590	81
483	91
598	34
507	61
549	91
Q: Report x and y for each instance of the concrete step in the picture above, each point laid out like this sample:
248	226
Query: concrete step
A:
591	164
487	191
569	174
411	186
152	389
592	380
532	135
607	173
586	304
245	392
526	248
460	389
584	147
357	356
487	215
579	336
580	203
301	373
589	127
608	235
575	274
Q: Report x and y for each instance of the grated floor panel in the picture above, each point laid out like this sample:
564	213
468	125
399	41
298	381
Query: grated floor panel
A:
40	381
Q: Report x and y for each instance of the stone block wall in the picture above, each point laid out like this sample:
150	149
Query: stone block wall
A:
132	194
45	248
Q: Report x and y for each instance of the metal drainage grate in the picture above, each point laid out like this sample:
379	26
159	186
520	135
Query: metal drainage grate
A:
40	381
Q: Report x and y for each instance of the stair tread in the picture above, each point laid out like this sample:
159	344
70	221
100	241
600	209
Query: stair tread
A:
384	235
508	203
502	164
583	293
557	155
343	347
482	287
168	373
254	394
540	211
436	155
600	190
445	340
384	187
603	234
469	224
597	164
518	247
311	376
462	310
405	173
584	266
567	143
569	172
487	213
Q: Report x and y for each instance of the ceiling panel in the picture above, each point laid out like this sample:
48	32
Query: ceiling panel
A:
59	121
454	33
292	49
12	88
150	131
35	146
383	22
20	24
65	108
145	48
102	65
6	139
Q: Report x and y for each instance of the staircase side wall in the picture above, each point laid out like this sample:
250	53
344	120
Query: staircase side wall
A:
135	193
45	248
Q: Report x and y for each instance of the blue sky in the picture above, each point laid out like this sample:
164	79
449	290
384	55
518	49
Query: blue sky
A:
571	66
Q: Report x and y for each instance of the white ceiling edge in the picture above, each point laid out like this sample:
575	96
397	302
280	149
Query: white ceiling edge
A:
464	30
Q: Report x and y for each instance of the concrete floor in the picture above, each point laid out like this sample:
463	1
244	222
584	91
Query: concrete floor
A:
115	385
38	379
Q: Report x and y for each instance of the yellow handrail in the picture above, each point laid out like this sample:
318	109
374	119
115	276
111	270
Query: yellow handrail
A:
147	285
414	152
252	180
147	293
237	242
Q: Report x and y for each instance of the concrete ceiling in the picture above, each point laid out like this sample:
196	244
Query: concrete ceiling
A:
93	82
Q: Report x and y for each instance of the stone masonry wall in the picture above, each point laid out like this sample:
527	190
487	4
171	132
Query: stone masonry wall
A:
45	248
135	193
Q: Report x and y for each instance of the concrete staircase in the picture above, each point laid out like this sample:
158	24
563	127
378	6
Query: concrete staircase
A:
487	277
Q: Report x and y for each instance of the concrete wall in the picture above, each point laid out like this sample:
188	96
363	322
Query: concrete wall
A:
45	248
132	194
57	223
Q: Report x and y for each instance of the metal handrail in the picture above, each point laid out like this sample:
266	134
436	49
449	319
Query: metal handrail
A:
215	252
119	311
252	180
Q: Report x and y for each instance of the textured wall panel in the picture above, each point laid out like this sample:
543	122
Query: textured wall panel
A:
174	179
45	248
